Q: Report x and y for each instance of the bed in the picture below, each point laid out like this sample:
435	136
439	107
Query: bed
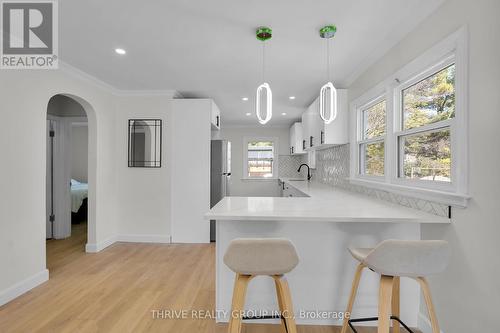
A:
79	195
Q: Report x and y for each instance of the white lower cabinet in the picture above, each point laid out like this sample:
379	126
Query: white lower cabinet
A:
288	191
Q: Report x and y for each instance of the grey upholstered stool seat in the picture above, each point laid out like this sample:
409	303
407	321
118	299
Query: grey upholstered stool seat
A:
261	256
393	259
405	258
360	253
250	257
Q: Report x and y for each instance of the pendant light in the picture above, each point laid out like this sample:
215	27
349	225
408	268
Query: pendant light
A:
328	93
263	34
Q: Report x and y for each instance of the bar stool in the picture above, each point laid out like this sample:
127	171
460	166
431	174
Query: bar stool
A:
393	259
250	257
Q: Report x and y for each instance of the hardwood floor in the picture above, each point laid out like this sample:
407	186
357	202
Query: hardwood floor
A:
117	290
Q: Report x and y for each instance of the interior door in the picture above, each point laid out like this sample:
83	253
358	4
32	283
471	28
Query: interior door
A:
58	195
49	182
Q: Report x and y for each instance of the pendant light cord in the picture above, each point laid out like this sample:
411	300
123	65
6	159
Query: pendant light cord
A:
328	59
263	61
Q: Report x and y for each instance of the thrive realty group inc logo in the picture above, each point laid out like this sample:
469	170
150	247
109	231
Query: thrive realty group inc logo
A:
29	35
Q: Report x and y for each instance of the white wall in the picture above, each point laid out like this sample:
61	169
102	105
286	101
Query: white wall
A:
125	204
143	194
24	96
239	186
79	152
467	295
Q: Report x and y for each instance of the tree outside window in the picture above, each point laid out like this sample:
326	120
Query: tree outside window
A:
372	144
426	154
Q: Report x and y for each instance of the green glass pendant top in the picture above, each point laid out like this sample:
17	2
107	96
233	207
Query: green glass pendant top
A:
264	33
328	31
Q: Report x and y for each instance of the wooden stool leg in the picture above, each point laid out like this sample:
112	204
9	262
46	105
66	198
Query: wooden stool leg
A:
280	302
352	297
395	303
384	303
286	299
430	306
240	289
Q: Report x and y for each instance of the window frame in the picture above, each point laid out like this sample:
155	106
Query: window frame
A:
247	140
361	172
452	50
399	131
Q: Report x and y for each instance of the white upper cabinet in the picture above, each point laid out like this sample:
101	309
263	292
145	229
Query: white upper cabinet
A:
296	139
311	126
309	119
337	132
215	117
317	134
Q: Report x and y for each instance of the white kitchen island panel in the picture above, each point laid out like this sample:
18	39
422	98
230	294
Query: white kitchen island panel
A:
322	280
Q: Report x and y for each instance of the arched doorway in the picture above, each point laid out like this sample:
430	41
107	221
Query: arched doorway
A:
71	172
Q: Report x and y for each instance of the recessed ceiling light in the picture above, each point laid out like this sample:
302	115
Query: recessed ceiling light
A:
245	99
291	97
120	51
248	114
283	113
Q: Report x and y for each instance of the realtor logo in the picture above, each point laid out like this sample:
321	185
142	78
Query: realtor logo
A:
29	35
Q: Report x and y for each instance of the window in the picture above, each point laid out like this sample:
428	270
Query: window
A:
430	100
410	131
427	108
426	156
372	139
260	158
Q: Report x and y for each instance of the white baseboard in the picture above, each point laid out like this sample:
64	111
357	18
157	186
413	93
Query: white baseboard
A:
133	238
96	247
129	238
23	286
424	324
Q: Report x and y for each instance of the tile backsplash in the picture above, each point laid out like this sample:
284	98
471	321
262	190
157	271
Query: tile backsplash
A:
288	165
332	168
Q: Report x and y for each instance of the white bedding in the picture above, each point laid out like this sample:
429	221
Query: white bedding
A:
79	191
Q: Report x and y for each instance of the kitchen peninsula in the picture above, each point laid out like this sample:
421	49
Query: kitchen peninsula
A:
321	223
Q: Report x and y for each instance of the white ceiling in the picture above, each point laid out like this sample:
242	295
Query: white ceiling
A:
208	48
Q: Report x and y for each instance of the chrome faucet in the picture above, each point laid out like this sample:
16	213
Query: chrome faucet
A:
308	171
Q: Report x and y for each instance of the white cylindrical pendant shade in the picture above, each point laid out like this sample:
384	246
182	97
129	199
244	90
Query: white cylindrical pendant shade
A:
328	97
269	103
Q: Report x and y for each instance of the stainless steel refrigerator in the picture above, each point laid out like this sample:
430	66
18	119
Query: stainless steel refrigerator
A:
220	173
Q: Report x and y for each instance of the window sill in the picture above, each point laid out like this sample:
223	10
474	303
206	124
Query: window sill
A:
260	179
447	198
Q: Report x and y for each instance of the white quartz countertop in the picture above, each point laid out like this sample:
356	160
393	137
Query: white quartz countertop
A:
325	203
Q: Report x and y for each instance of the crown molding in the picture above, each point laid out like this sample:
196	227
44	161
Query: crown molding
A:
84	76
159	93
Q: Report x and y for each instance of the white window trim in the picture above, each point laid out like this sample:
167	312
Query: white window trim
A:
359	136
246	140
453	49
